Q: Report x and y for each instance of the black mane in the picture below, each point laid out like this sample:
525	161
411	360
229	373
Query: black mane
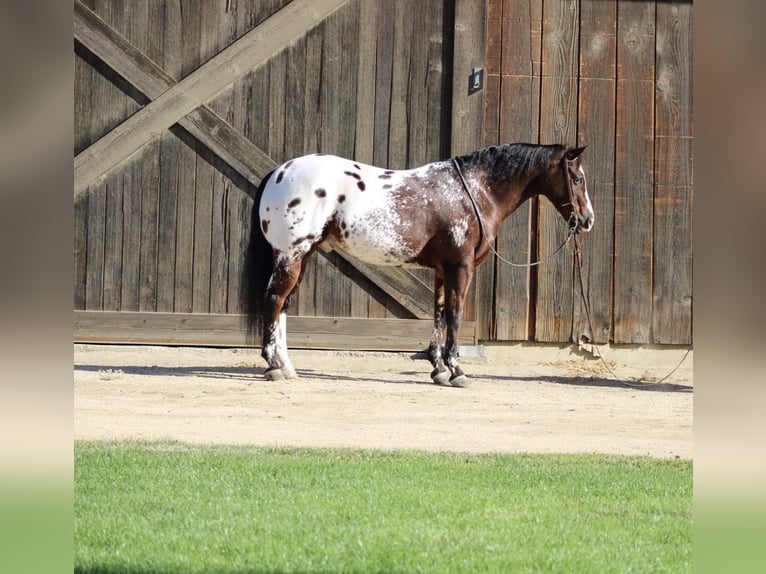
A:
508	161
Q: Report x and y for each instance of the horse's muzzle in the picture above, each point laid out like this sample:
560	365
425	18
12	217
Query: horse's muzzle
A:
585	221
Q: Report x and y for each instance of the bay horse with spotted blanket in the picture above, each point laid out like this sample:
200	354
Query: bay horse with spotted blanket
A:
444	215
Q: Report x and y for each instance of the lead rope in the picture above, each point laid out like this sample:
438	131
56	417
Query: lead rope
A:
572	226
578	266
586	305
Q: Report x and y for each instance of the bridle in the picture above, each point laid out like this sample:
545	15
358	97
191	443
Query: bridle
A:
572	221
573	227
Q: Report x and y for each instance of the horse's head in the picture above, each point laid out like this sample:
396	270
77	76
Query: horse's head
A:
569	190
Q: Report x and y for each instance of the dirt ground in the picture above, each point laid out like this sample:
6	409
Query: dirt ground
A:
520	400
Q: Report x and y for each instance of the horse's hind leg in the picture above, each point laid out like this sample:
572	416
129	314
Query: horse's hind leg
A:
283	282
440	375
288	371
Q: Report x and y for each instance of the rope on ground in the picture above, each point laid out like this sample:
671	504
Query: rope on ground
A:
586	305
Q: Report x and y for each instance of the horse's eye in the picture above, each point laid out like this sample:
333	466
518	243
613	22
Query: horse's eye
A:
577	180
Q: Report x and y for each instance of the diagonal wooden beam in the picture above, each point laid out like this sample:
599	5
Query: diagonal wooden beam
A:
151	80
247	53
397	283
225	141
148	78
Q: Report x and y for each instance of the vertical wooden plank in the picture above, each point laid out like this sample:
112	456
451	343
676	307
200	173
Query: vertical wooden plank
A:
494	43
383	78
150	176
634	169
257	111
131	234
558	124
484	278
191	29
295	88
109	104
184	242
363	303
135	27
205	178
294	104
359	297
94	275
224	105
331	90
398	140
276	109
83	106
521	70
240	205
187	168
469	53
169	170
672	253
596	129
437	82
203	213
467	108
83	110
113	240
365	93
167	218
219	253
333	295
417	105
313	97
338	108
311	101
80	241
150	188
518	122
349	55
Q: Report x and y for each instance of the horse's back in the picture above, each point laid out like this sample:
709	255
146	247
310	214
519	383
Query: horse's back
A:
363	207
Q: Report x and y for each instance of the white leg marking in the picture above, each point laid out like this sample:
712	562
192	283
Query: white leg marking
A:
287	366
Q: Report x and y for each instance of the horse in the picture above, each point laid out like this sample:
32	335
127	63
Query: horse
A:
443	215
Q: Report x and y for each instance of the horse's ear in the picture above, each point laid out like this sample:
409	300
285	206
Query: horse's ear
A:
574	153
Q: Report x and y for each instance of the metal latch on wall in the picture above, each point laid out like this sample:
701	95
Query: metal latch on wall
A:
476	80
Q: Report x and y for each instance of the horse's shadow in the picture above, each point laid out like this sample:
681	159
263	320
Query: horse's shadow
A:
255	374
247	375
599	382
111	372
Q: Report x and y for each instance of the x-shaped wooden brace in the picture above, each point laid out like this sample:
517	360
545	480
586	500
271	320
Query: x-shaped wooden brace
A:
181	102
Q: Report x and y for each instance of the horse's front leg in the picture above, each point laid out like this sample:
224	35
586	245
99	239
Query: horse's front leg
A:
440	375
457	282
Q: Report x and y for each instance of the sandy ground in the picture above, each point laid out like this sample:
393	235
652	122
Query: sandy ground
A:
519	401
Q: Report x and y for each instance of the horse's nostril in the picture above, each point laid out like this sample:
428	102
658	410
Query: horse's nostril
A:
586	221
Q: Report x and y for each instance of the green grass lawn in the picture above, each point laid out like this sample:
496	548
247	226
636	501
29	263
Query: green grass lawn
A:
147	507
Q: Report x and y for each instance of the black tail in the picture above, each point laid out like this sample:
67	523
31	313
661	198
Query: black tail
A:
256	271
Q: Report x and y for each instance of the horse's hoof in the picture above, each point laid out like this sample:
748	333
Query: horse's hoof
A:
274	374
440	377
289	373
459	381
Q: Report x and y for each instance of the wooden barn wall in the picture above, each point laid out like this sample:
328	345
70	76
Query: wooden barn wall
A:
615	76
165	231
160	235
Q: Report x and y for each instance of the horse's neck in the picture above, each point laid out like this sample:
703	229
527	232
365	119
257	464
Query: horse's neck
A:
507	196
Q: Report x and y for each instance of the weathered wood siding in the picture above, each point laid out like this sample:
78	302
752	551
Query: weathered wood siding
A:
181	108
615	76
165	231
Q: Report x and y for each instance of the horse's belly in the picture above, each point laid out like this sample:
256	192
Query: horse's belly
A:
377	238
